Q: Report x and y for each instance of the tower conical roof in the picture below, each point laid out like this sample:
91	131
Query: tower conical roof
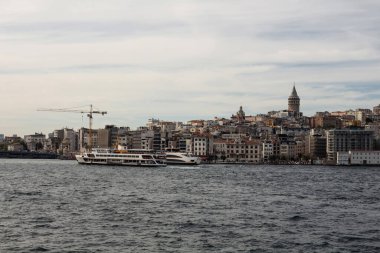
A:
294	92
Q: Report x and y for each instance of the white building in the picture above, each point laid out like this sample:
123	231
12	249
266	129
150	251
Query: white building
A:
70	137
364	157
267	150
202	145
35	141
281	114
343	158
358	158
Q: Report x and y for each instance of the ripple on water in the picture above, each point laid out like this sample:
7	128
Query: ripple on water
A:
60	206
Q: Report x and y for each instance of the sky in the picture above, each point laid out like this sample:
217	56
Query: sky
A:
179	60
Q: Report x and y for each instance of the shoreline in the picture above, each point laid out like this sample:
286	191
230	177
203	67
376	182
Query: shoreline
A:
51	156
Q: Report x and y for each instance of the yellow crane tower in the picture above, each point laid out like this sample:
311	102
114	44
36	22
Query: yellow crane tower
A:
89	115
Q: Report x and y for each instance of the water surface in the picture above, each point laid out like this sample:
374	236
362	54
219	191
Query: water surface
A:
61	206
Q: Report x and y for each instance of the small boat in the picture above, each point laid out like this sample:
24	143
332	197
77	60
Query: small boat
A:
124	157
175	157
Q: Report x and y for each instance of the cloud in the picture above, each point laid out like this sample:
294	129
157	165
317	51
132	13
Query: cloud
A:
80	31
180	60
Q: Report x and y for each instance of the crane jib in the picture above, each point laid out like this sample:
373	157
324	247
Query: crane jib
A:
89	115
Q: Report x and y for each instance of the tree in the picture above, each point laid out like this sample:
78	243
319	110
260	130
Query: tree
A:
39	146
368	120
272	158
23	143
3	147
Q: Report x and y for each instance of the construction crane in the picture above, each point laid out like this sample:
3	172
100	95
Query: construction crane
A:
89	115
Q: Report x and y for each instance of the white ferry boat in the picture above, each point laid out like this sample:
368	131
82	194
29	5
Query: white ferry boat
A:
175	157
125	157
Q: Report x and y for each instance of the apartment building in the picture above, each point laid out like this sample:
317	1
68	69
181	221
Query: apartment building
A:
315	146
35	141
202	145
238	150
344	140
267	150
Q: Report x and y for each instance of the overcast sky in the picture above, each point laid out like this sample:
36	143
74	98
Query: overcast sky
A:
182	59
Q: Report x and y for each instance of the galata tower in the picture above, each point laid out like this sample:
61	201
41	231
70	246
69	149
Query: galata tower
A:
294	101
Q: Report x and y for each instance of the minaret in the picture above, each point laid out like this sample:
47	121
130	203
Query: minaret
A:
294	101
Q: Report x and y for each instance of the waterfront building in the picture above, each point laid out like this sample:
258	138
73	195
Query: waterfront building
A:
15	147
153	139
300	148
135	139
52	144
177	142
288	150
358	158
342	158
294	102
123	139
1	137
70	141
58	134
181	144
202	145
189	146
114	133
108	137
364	157
84	140
35	141
220	149
238	150
315	146
276	148
267	151
344	140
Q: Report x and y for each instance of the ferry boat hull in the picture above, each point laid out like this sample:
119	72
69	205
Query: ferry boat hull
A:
93	161
131	158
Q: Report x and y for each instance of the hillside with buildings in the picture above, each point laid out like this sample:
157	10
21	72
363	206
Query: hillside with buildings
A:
285	136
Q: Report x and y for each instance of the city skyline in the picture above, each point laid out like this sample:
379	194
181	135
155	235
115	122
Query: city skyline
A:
84	110
178	60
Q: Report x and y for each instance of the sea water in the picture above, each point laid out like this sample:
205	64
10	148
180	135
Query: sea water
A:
61	206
